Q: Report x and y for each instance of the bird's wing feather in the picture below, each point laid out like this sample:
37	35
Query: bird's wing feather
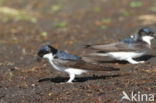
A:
81	64
120	46
64	55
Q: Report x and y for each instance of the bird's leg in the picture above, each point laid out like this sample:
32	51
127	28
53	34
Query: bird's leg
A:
132	61
72	76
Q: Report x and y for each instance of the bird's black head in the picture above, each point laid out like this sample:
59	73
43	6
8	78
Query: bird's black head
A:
46	49
146	31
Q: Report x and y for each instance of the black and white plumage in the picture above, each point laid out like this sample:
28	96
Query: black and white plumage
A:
71	64
127	49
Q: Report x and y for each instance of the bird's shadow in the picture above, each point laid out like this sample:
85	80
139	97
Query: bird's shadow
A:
143	58
77	79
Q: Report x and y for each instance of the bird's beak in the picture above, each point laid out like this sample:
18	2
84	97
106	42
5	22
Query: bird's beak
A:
41	52
40	55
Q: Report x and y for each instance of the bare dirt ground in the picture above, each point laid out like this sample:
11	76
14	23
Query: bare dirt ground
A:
26	25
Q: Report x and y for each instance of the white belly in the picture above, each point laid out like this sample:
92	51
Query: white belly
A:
125	55
56	67
75	71
68	70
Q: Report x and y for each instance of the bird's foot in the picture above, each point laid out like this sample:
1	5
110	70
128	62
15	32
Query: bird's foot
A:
132	61
70	82
66	82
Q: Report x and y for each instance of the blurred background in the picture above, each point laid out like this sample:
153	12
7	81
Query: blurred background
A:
26	25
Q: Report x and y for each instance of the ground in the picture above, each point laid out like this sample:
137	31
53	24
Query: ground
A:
26	25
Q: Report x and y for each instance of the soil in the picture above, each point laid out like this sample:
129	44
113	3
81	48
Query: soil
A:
26	25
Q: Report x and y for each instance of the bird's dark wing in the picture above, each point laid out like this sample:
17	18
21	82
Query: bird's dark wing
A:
120	46
131	39
66	56
81	64
128	40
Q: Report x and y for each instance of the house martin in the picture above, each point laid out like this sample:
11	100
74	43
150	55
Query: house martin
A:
127	49
68	63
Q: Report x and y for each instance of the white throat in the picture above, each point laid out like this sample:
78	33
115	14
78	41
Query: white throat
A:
49	56
147	39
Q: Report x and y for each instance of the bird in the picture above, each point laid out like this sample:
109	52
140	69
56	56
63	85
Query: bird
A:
68	63
126	49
